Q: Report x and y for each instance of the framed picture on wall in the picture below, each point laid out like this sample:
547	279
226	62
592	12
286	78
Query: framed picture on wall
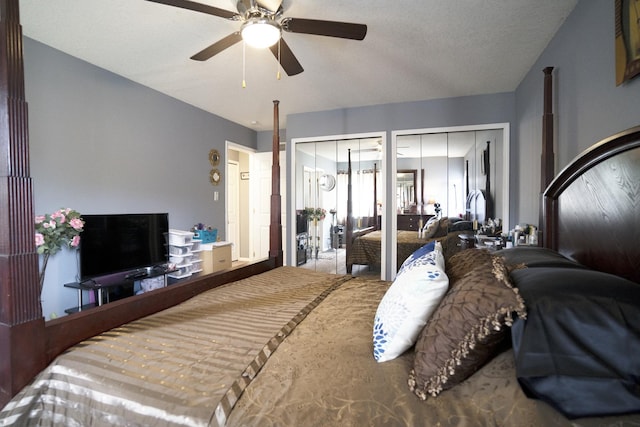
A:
627	42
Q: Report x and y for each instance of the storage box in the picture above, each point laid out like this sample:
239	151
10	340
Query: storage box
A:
180	261
179	237
179	250
196	266
215	257
181	272
206	236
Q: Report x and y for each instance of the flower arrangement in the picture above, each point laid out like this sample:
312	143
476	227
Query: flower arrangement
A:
54	231
316	214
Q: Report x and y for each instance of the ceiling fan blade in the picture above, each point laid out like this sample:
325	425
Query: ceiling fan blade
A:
343	30
288	60
272	5
199	7
217	47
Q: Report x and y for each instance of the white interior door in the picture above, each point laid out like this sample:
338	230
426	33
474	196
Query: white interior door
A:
261	214
233	207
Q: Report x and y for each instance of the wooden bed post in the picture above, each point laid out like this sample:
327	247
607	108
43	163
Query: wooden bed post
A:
22	336
487	188
349	234
275	225
547	157
375	195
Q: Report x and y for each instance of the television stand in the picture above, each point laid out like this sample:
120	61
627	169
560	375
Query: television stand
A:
101	291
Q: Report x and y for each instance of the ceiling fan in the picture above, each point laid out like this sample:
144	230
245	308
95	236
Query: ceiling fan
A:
263	19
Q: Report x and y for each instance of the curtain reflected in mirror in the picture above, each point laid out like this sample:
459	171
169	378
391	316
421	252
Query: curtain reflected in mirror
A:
321	198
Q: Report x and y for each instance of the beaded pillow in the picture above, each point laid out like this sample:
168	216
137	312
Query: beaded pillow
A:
466	329
408	303
464	261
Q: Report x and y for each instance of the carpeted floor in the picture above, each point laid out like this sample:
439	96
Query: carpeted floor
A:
333	261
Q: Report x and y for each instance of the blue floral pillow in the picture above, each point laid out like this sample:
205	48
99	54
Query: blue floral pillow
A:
409	302
416	258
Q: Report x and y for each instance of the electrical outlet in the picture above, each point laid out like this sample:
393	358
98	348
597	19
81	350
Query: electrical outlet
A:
216	196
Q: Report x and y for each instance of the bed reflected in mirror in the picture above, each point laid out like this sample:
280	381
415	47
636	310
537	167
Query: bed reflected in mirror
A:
455	167
321	198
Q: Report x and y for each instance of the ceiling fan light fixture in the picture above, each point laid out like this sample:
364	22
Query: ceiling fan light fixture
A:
260	32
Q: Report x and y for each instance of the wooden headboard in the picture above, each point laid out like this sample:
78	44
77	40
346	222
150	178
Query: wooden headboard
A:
592	208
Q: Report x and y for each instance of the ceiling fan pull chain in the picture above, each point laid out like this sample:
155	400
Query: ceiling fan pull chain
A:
278	61
244	48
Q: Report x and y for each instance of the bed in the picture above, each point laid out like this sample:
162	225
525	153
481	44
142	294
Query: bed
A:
364	245
272	345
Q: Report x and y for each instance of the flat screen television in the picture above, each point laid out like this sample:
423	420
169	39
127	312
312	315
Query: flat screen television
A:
113	243
302	224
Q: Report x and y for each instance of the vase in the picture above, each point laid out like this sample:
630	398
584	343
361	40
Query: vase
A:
45	260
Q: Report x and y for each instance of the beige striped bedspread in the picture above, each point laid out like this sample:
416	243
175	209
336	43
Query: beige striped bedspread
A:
185	366
367	249
290	347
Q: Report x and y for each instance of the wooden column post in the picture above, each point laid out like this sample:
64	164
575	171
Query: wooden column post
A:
547	165
275	225
22	336
349	233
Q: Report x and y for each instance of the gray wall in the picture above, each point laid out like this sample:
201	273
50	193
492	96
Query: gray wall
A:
587	104
100	143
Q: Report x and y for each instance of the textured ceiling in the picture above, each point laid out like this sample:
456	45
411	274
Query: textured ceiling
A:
414	50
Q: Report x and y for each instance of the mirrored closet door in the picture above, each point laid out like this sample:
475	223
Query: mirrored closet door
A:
458	173
322	202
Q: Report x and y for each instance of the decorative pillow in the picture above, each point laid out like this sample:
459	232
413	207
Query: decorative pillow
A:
450	245
578	348
460	225
464	261
466	330
443	227
408	303
435	227
532	256
415	257
430	228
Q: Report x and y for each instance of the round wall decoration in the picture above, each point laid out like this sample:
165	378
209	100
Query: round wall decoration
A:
327	182
214	157
215	176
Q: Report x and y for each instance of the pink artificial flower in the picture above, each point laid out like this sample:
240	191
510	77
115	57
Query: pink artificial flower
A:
59	215
76	223
39	239
75	241
39	218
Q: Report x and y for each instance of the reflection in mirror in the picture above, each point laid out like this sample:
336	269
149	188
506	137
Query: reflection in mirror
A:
321	198
407	190
461	178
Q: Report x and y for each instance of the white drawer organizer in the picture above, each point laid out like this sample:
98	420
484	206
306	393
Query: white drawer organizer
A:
184	253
